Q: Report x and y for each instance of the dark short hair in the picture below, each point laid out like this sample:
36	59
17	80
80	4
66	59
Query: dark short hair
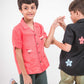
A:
77	5
20	2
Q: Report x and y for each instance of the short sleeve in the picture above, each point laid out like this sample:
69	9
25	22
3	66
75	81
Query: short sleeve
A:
43	32
16	39
69	35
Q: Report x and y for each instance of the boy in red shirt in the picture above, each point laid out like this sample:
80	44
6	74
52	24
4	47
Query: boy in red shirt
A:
29	39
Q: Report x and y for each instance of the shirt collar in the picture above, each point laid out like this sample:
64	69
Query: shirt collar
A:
80	21
24	24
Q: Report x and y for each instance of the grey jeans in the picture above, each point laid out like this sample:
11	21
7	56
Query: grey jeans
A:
36	78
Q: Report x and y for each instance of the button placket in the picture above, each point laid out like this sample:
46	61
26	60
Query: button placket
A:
37	44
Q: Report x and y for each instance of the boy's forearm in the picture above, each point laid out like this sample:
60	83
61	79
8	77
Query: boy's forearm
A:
20	61
64	47
50	37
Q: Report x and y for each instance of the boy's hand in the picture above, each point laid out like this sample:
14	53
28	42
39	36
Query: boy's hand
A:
27	79
55	23
61	22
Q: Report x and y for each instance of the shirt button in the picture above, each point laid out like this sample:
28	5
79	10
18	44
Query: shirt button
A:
40	61
37	43
34	34
28	52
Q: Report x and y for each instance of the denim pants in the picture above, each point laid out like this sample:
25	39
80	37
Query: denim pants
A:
68	79
36	78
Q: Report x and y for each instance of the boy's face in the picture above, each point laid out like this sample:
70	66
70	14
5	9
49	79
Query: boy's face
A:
28	11
74	16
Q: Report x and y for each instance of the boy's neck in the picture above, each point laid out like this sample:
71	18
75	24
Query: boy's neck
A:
81	17
28	22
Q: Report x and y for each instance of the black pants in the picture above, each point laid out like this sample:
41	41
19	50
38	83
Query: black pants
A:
36	78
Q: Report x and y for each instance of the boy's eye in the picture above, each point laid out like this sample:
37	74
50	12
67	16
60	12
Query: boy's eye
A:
32	7
25	8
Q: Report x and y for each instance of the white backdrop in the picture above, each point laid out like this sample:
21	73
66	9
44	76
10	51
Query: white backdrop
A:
47	11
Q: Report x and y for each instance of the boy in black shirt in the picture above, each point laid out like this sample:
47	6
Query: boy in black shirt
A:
72	54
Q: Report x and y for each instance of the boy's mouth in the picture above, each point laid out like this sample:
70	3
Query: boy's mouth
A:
29	14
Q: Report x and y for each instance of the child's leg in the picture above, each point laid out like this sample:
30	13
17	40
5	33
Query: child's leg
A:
66	79
41	78
33	78
21	79
79	79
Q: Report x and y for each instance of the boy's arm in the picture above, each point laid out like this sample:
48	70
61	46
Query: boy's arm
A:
63	26
65	47
26	77
57	22
61	22
49	39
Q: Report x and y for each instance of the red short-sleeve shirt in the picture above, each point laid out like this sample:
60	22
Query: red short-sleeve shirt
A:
32	44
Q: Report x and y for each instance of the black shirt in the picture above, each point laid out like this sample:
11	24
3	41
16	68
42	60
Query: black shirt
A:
72	62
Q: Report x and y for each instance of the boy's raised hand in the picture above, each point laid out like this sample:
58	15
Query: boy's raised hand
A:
61	22
55	23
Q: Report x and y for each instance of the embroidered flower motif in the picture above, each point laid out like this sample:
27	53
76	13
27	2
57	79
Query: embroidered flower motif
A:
81	40
68	63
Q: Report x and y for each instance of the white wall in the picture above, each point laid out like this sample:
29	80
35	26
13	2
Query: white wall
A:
9	16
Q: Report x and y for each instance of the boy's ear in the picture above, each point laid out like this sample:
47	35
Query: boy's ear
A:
20	10
78	13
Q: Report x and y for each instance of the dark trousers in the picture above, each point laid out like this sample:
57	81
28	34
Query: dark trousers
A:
36	78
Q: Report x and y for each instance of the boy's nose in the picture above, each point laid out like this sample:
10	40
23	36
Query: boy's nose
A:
29	10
